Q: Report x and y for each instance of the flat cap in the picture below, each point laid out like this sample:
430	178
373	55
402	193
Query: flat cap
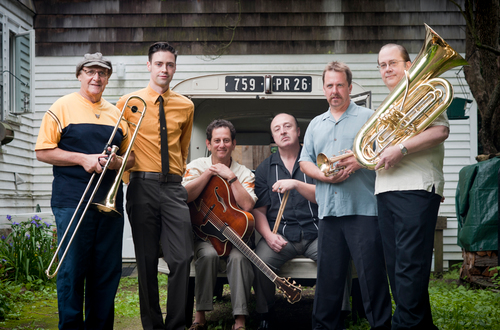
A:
94	60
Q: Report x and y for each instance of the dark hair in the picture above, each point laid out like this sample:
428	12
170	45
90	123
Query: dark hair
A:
161	46
218	123
338	67
402	51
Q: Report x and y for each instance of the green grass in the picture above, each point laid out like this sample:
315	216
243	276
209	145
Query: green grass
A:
455	306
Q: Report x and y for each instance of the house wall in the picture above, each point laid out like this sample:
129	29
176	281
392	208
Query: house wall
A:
272	36
55	77
16	158
232	27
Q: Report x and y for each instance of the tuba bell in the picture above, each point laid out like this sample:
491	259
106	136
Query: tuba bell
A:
413	104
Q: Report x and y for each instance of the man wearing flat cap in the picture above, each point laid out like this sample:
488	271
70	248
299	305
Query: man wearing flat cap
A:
73	133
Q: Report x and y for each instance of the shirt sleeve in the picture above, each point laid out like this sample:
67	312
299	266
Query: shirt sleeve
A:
193	171
247	179
50	132
308	154
441	120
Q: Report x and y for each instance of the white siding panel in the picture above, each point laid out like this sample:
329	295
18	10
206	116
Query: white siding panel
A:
55	77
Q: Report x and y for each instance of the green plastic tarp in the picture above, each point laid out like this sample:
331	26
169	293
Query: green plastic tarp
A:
476	205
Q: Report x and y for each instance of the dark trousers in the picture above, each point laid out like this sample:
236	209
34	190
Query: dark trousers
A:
91	270
339	239
159	216
407	222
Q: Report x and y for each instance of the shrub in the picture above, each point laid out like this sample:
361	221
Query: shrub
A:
27	251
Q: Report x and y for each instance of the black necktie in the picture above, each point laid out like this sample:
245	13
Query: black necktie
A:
164	138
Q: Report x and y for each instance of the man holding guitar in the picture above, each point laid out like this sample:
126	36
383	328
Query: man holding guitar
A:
221	141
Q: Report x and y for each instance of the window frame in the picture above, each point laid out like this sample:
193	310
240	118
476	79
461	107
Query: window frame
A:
10	103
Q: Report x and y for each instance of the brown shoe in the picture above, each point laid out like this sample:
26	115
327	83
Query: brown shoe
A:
198	326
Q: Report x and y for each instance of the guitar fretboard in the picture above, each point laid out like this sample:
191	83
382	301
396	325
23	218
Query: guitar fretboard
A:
236	240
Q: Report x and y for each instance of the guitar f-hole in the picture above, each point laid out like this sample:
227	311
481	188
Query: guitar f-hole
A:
220	199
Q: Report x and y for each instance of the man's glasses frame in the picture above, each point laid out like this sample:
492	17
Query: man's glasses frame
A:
392	64
92	72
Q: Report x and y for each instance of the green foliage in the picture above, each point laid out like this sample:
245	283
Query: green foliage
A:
496	278
456	307
27	251
127	297
13	296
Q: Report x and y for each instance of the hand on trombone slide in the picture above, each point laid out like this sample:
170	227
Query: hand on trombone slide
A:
115	161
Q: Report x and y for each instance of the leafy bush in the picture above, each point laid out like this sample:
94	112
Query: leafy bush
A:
27	251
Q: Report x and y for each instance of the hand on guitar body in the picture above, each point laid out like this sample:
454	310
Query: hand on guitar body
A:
243	199
221	170
216	218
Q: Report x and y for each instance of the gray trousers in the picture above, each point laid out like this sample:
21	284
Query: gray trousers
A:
158	213
265	289
239	275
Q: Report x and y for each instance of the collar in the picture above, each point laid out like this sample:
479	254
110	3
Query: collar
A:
352	110
276	160
153	95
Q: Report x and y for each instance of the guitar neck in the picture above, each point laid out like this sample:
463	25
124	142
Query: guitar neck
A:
233	237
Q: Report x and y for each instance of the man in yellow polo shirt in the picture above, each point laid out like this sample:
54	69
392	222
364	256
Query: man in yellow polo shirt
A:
156	200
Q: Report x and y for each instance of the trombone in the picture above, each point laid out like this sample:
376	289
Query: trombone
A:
108	205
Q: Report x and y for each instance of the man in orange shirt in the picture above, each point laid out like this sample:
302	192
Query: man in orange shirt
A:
156	200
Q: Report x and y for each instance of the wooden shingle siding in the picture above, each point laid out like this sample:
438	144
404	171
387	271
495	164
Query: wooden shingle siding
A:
128	27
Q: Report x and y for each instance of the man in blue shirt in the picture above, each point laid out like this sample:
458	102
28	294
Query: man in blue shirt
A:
347	210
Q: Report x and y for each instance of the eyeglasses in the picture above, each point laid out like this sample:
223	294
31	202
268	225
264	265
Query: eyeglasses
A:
91	73
392	64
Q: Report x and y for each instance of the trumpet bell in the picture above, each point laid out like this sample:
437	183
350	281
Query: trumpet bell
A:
327	165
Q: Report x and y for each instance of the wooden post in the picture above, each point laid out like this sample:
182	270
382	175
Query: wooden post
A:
438	244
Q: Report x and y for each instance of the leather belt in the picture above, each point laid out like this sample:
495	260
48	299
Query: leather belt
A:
173	178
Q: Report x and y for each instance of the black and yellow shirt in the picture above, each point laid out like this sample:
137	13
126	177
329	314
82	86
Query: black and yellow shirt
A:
75	124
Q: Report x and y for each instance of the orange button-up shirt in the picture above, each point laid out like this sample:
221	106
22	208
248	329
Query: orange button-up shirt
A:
179	112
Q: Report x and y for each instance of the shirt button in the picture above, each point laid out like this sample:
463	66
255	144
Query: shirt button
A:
335	193
334	139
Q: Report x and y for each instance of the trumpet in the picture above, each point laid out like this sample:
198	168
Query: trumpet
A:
411	107
108	205
328	165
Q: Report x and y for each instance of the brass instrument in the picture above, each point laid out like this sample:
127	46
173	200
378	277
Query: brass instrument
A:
328	165
108	206
413	104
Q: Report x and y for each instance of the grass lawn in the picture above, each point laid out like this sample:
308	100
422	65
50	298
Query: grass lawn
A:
454	306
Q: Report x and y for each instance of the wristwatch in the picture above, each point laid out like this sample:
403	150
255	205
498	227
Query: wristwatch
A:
404	151
232	180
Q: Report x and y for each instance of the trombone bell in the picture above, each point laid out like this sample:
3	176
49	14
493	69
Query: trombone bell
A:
108	205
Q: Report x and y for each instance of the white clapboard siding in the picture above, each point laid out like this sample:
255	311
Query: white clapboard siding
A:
55	77
16	158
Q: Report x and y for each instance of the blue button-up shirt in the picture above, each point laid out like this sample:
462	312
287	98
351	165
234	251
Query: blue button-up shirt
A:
355	195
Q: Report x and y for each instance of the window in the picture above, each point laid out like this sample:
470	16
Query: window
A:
17	65
21	79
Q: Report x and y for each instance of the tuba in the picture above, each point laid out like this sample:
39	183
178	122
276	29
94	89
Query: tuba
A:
413	104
